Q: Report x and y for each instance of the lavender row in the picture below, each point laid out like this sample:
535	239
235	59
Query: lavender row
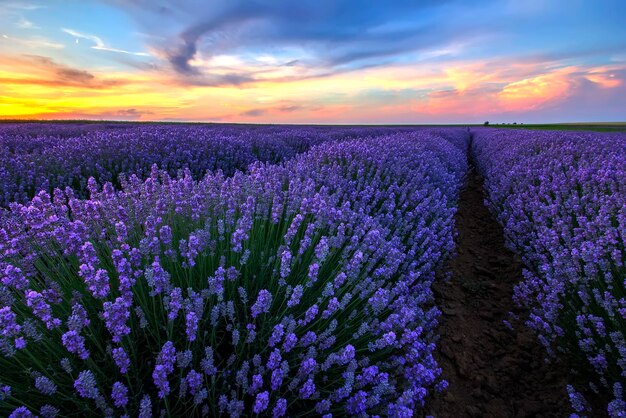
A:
303	286
37	156
561	198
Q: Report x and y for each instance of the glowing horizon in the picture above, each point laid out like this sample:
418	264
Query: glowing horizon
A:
313	62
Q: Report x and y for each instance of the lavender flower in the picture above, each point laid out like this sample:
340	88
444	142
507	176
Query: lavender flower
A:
5	392
261	403
119	394
115	315
48	411
307	390
175	303
41	309
159	376
158	279
145	407
78	320
45	385
191	327
75	344
285	264
277	335
85	385
21	412
295	296
280	409
121	359
262	304
184	359
194	381
8	324
274	359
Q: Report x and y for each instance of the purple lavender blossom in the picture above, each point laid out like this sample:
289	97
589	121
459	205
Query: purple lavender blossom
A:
277	379
158	279
262	304
257	383
5	392
145	407
13	277
115	315
8	323
119	394
75	344
184	359
280	409
49	411
285	264
45	385
274	359
175	303
167	356
290	342
21	412
121	359
277	335
309	315
261	402
296	294
307	390
78	319
159	376
85	385
41	309
191	325
357	404
194	381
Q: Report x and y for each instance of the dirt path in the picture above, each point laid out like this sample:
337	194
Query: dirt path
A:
492	371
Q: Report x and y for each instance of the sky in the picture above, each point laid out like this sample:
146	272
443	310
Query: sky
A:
314	61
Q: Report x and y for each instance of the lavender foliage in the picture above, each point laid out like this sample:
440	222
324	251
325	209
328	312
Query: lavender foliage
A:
561	197
37	156
299	286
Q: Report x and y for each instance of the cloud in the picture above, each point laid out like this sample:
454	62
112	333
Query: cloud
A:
26	24
291	108
32	43
130	114
320	37
10	5
99	44
215	80
253	112
93	114
44	71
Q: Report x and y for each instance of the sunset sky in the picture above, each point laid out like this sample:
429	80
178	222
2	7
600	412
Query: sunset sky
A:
314	61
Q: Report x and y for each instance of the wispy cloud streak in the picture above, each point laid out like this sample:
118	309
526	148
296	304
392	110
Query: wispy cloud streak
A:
99	43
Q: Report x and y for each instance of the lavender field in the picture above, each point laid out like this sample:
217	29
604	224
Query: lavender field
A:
285	271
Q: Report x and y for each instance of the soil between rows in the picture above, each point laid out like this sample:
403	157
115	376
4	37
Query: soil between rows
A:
492	371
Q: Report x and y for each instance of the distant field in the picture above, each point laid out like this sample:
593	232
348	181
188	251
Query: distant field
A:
598	127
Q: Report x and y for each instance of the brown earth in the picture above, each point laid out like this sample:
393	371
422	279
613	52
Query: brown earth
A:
492	371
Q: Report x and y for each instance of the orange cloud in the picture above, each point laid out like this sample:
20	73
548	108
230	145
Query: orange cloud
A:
605	77
531	93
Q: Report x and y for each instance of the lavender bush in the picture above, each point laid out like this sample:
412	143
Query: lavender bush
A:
561	198
36	157
302	287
